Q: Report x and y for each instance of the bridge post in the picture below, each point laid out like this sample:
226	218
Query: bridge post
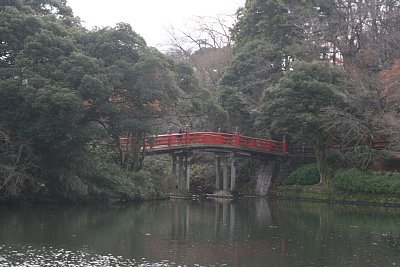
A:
169	138
151	143
267	145
181	173
173	167
187	161
225	173
187	135
233	172
144	144
217	172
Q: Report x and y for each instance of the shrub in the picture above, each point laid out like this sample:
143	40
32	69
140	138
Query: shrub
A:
113	182
356	181
304	175
147	185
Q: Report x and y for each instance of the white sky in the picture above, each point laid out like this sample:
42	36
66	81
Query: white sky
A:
150	18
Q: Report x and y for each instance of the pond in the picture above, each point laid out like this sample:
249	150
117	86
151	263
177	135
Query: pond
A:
214	232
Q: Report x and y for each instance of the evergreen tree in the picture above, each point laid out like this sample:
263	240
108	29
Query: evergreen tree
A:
269	36
66	91
295	106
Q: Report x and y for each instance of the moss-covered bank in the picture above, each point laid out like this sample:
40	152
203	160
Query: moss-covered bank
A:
332	195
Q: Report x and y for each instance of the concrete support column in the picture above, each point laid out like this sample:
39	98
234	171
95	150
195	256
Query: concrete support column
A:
217	172
181	173
187	161
264	176
225	173
233	172
173	167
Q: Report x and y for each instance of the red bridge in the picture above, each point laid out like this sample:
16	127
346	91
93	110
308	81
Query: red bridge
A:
226	147
197	140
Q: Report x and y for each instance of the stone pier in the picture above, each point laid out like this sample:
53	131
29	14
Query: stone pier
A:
224	168
225	172
226	163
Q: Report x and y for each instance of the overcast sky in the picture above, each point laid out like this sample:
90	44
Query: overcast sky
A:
150	18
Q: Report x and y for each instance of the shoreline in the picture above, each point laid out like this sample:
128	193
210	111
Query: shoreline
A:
315	194
332	196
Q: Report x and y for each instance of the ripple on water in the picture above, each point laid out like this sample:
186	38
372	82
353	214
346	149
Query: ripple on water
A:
37	257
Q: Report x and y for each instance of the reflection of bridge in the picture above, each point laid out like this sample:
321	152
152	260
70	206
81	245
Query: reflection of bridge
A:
227	147
228	232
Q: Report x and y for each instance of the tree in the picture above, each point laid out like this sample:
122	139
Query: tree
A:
142	83
41	102
17	163
196	106
269	36
202	33
353	26
66	92
364	36
205	48
271	20
294	106
255	67
206	45
367	129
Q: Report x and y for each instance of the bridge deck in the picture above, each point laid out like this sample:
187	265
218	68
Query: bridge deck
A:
212	141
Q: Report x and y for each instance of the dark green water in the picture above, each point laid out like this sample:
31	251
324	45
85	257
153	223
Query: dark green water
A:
247	232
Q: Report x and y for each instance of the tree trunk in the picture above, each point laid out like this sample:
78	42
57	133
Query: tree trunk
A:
136	160
322	165
120	151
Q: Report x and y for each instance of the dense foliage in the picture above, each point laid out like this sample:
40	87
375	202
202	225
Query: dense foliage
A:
356	181
305	175
68	94
321	72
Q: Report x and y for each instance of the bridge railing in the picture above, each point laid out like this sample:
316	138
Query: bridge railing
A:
214	138
262	144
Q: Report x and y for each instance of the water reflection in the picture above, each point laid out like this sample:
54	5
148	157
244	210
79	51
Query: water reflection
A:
220	232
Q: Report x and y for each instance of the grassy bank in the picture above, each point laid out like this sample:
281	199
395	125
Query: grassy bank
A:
332	195
346	186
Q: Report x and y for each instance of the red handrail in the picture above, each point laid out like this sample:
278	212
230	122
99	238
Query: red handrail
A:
211	138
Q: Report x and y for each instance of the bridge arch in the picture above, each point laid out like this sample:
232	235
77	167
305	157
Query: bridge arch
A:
227	147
